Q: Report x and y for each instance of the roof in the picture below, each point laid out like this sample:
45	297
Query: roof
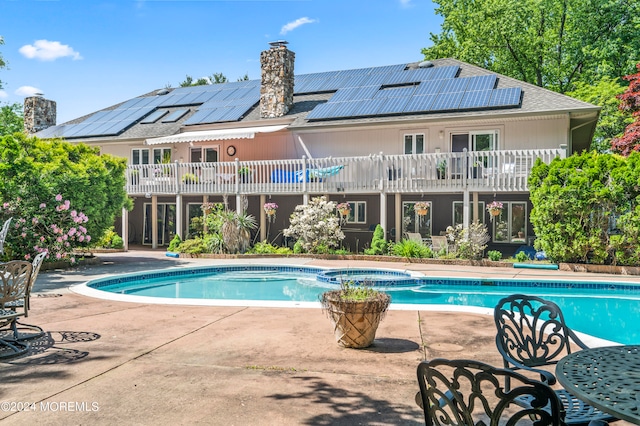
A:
444	89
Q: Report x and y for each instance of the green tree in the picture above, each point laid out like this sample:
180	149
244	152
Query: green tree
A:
549	43
35	171
3	64
612	120
215	78
11	119
630	141
574	201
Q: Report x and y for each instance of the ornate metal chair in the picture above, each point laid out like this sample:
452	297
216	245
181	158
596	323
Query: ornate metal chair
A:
3	234
24	303
465	392
15	276
531	334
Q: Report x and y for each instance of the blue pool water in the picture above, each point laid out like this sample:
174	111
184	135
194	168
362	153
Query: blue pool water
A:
609	311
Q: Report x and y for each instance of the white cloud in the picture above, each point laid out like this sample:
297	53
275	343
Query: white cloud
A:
295	24
27	91
405	3
46	50
3	94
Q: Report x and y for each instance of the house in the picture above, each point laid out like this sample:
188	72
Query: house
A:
448	133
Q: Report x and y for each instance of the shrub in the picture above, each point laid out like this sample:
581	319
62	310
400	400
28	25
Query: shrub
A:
194	246
297	247
477	237
410	248
175	242
378	243
52	227
494	255
36	171
316	226
522	257
265	248
110	239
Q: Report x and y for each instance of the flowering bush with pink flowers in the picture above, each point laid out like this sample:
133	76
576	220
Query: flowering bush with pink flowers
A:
53	227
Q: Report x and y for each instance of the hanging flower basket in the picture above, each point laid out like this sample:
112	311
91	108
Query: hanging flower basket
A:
421	208
344	209
495	208
270	208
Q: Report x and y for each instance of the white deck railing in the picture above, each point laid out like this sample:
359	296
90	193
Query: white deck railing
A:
497	171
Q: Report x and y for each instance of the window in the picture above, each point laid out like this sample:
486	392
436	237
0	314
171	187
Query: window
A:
358	213
166	223
142	156
414	144
458	207
413	222
204	154
510	226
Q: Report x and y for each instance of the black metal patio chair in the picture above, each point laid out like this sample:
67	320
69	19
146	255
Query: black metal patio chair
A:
532	333
466	392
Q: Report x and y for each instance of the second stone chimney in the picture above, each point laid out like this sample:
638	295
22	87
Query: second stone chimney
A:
276	90
39	113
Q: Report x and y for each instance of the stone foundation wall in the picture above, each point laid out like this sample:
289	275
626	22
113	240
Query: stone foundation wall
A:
276	91
39	113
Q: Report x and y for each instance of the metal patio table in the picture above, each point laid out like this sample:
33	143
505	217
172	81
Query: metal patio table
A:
607	378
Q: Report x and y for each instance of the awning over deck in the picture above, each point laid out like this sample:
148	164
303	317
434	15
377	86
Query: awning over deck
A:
214	135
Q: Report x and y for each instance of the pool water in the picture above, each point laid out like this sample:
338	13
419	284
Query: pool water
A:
609	311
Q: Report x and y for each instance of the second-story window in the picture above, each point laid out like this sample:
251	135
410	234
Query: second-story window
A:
414	144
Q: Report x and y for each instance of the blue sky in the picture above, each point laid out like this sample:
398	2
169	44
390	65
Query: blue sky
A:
89	54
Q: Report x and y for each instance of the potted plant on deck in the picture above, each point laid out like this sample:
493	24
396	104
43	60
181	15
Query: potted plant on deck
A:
245	174
355	310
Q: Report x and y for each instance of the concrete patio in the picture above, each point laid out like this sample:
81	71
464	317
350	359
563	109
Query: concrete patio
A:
104	362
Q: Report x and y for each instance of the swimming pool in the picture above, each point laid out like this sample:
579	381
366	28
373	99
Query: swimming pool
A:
608	310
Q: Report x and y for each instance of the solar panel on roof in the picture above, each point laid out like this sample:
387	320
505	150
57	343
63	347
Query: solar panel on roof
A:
419	103
445	72
453	85
395	92
154	116
175	116
323	110
344	109
369	107
482	82
393	105
475	99
506	97
447	101
430	87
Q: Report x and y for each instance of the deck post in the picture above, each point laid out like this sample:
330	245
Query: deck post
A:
154	221
398	213
263	218
383	213
179	215
125	228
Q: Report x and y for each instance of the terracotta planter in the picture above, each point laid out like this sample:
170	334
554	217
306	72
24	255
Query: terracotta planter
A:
495	212
355	322
344	212
422	212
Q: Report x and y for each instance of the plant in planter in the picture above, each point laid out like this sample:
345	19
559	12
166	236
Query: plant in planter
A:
442	169
355	310
421	208
189	178
495	208
245	174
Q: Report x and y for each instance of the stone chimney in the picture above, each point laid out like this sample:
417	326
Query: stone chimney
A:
276	90
39	113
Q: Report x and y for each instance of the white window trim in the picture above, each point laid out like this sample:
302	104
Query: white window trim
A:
354	208
507	205
413	142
